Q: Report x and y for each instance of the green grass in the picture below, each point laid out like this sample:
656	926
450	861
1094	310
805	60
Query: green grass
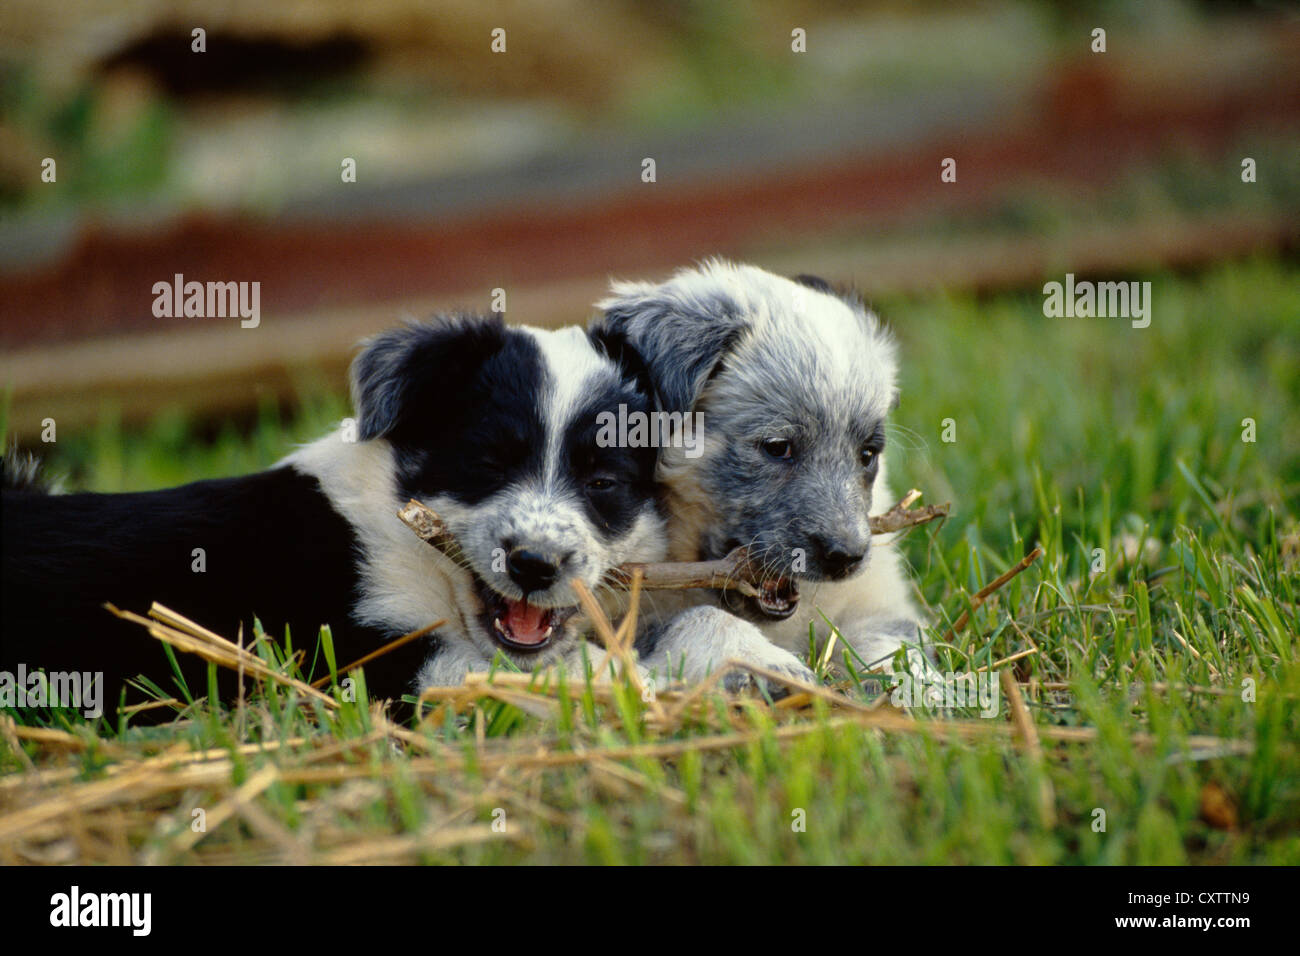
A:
1165	610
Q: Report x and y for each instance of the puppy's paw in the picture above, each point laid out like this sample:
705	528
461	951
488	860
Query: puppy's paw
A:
703	639
777	660
877	642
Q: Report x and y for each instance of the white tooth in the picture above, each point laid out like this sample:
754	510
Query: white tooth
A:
549	631
496	622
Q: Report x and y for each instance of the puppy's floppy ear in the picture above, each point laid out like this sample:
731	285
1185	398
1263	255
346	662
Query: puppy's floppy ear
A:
615	345
681	338
399	372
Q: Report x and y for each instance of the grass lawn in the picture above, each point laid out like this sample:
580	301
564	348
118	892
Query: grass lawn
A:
1154	645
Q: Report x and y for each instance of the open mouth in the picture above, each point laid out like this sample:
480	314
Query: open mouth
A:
518	625
777	598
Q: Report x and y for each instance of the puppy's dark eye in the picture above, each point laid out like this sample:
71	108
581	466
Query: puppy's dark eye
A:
779	448
869	456
600	484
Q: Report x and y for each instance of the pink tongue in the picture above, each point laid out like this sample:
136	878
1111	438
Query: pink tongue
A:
526	623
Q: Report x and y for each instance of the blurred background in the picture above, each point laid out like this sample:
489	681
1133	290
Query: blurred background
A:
522	170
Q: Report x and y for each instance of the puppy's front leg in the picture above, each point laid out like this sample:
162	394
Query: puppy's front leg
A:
698	641
448	664
876	616
875	641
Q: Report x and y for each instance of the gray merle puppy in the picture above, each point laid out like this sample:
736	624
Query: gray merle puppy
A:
788	385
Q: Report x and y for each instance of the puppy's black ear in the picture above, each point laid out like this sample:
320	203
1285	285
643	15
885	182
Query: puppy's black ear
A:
614	344
400	372
682	339
815	282
847	294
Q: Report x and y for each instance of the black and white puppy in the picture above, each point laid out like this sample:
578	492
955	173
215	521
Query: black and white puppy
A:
494	427
792	383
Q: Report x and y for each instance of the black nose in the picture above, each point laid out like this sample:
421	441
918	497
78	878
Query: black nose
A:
531	570
837	558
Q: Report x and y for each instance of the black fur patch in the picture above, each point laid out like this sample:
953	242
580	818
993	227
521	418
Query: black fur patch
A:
458	402
612	510
273	547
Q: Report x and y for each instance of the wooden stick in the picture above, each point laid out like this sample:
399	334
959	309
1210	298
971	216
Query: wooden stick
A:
983	593
734	572
903	515
429	526
730	573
